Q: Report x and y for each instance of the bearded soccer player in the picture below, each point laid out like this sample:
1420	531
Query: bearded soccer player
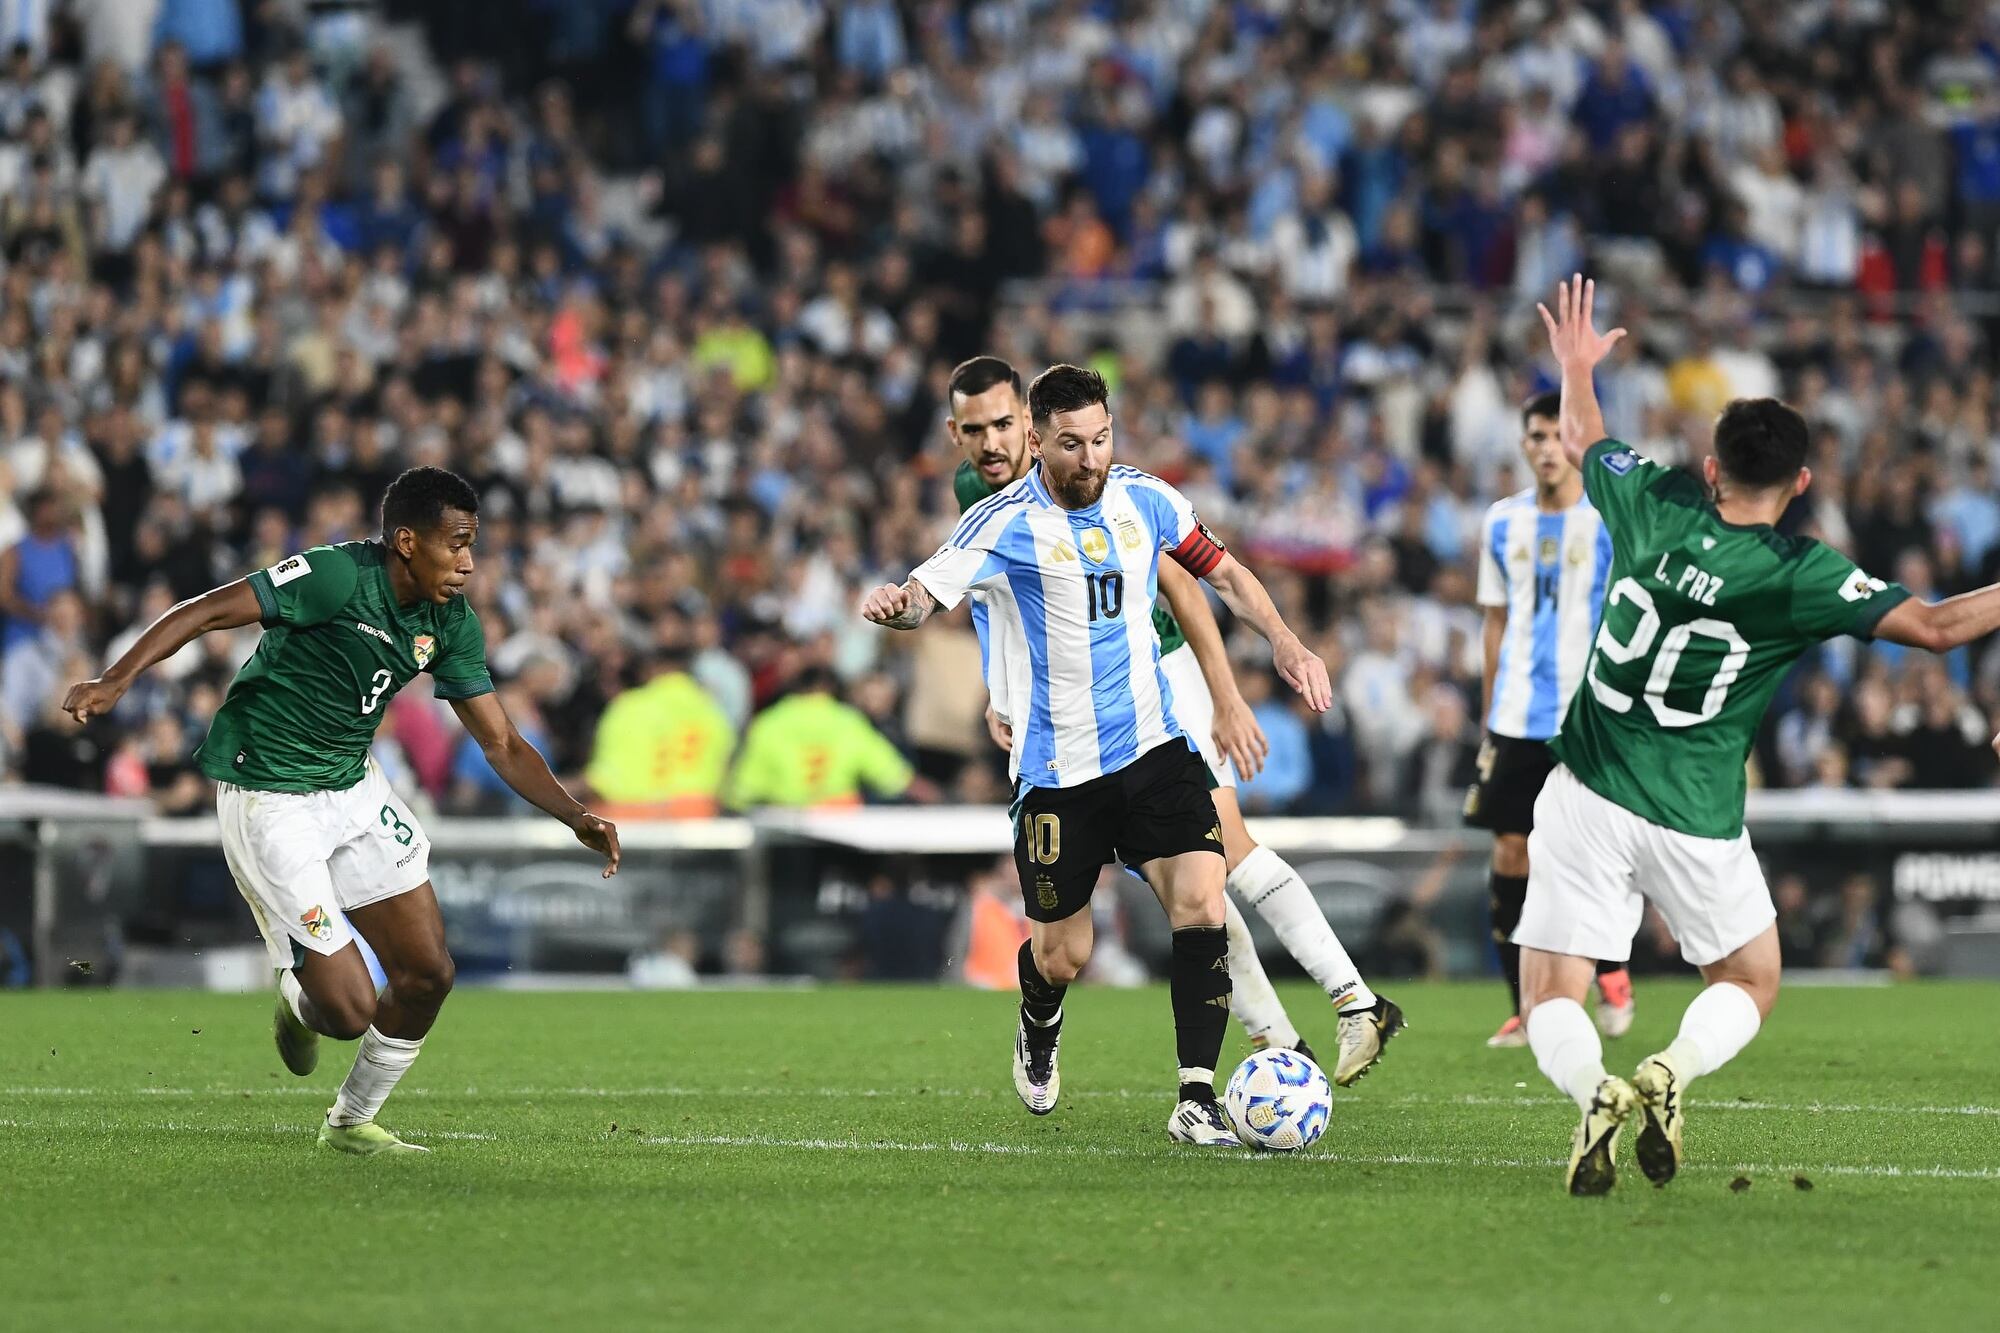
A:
1708	608
319	844
1106	771
1543	556
988	424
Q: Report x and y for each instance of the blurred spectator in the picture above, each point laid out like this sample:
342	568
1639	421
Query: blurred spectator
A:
810	750
662	747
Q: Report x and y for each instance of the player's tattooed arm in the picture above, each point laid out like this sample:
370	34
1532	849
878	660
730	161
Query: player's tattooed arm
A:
231	606
899	605
1578	347
1299	665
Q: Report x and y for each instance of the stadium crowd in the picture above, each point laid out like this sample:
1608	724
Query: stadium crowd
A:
684	313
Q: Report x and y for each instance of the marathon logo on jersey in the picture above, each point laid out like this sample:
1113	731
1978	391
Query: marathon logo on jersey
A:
286	570
424	649
1859	587
1620	461
317	923
374	633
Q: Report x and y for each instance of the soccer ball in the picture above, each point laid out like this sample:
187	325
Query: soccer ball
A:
1278	1100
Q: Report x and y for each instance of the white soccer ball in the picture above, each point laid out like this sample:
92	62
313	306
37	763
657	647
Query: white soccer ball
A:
1278	1100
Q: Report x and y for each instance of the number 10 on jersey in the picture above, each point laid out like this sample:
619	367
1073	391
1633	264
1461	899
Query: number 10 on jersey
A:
1105	593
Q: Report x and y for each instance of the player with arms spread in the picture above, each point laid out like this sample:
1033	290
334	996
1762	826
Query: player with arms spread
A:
1708	607
1106	772
314	835
988	425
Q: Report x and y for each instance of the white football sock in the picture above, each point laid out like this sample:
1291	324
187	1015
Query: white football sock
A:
1255	1003
293	993
1567	1047
378	1065
1267	883
1720	1023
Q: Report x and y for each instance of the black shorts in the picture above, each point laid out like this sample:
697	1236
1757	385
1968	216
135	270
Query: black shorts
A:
1511	774
1157	805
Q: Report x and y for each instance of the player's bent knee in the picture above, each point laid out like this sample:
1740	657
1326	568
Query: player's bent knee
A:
1060	967
426	983
1510	856
346	1017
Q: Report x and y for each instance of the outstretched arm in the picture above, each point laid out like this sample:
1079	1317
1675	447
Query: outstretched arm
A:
522	767
1246	596
1939	627
899	605
1578	347
229	607
1234	728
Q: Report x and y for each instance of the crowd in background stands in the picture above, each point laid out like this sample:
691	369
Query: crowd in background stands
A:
677	286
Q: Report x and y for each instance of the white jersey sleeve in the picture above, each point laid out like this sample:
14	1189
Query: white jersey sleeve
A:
1492	579
970	556
1182	534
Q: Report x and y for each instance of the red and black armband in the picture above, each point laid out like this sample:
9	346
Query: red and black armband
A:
1200	553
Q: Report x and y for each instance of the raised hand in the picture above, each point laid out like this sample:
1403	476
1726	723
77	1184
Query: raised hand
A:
1572	337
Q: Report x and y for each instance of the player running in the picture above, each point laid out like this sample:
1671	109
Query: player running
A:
1708	607
312	831
988	426
1543	556
1106	772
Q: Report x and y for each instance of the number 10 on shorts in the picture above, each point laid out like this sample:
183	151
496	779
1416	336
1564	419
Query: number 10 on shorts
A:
1045	840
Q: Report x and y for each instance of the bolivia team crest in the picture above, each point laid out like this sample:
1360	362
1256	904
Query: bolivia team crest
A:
425	650
1096	544
317	923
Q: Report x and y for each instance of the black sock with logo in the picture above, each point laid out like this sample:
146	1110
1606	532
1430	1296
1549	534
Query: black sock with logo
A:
1198	980
1041	1002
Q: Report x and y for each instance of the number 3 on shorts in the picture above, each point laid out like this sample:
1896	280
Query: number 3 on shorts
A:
1045	840
398	830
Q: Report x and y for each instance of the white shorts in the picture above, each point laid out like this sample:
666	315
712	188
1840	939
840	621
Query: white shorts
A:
1593	863
1194	709
301	860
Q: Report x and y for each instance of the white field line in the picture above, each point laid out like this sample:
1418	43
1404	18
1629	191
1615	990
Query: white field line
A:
991	1149
760	1141
1344	1101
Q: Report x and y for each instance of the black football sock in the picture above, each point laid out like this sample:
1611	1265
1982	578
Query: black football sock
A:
1041	1003
1508	894
1198	980
1606	965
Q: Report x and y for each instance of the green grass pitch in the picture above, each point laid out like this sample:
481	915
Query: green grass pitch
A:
855	1158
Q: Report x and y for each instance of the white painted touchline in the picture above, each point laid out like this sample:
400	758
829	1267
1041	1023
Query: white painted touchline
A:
1343	1102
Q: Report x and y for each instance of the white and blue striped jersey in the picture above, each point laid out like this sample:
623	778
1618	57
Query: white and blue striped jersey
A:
1548	572
1083	686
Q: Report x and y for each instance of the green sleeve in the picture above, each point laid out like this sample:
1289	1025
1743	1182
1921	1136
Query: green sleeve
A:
1630	490
460	670
1831	596
879	765
307	589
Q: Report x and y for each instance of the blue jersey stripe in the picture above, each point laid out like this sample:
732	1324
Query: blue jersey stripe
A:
1542	715
975	518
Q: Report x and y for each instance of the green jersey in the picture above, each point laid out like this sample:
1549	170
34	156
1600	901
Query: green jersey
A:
301	714
970	489
1702	619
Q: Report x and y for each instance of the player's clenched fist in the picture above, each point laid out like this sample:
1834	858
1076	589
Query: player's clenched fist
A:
886	603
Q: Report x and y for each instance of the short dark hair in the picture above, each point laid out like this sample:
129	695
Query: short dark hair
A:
1760	442
417	500
1547	405
1065	388
980	373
